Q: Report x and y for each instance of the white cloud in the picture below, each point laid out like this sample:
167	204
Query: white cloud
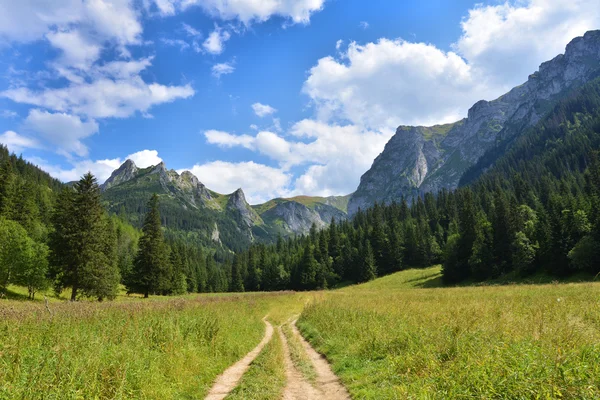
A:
144	158
29	20
249	11
64	131
182	44
363	25
222	69
507	42
391	82
8	114
116	19
262	110
103	97
165	7
335	155
224	139
77	51
101	169
17	143
215	42
18	22
191	31
259	182
338	44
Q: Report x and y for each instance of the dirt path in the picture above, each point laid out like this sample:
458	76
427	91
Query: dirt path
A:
297	387
328	383
229	379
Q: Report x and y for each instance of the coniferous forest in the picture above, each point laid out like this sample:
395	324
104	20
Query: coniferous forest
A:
531	205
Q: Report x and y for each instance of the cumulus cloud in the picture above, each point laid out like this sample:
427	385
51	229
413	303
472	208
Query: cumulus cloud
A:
17	143
215	42
63	131
390	82
77	50
114	20
222	69
102	98
507	42
335	155
101	169
262	110
259	182
247	11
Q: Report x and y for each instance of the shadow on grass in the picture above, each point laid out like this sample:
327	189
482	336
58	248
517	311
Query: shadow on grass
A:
428	281
10	295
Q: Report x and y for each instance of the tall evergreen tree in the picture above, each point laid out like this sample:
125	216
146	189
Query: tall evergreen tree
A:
152	270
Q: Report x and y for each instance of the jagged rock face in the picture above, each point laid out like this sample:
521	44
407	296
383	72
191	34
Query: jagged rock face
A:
427	159
124	173
296	217
327	212
238	204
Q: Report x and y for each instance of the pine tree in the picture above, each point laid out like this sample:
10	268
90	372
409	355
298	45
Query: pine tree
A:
83	244
237	284
152	270
368	270
7	189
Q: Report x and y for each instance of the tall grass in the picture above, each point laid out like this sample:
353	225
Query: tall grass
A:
393	339
138	349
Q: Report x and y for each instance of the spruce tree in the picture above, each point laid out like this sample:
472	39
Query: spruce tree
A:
368	270
83	243
237	284
152	270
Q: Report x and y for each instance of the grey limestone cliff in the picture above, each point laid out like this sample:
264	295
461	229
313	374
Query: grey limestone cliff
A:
426	159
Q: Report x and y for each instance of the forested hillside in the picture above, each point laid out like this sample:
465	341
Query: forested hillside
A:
536	210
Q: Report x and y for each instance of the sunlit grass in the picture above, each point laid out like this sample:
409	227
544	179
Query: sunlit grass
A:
391	338
154	349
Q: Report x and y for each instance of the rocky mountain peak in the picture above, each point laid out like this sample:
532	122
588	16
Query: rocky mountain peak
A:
426	159
126	172
237	203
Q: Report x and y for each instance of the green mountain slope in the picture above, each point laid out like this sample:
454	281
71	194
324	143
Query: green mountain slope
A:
222	221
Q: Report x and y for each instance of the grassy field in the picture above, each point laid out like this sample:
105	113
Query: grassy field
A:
156	349
398	337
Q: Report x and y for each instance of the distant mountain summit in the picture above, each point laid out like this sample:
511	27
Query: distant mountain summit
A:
421	159
189	207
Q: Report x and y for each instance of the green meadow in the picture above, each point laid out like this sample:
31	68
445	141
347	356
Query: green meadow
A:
396	337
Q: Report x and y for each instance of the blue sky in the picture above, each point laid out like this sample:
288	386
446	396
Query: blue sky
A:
279	97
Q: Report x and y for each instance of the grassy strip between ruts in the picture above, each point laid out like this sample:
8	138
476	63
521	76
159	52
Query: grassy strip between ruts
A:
265	379
299	357
511	342
153	349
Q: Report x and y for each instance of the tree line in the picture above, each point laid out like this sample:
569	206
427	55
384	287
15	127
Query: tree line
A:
536	209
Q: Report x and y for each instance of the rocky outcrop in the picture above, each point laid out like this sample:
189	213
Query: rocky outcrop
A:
237	204
426	159
294	218
126	172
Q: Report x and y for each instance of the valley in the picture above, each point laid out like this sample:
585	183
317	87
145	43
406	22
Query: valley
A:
385	233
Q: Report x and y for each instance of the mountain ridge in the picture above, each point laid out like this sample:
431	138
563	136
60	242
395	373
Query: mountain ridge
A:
188	205
420	159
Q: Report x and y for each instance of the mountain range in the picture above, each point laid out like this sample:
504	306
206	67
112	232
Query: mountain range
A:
187	205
